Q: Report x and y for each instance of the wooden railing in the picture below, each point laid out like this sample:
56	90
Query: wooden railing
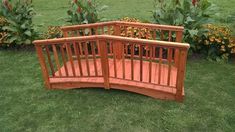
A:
127	29
108	57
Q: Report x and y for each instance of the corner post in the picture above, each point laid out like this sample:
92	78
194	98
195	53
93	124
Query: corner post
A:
179	38
118	45
104	62
181	74
43	66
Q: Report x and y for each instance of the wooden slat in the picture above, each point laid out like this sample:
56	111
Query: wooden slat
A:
160	66
169	36
123	61
162	35
78	58
141	61
43	66
49	60
86	57
94	58
64	60
169	56
154	34
56	59
104	62
70	57
109	31
132	61
115	62
180	74
150	63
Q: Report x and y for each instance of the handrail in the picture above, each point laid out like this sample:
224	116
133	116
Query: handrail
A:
122	23
110	37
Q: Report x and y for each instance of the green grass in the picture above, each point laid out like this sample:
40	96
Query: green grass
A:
27	106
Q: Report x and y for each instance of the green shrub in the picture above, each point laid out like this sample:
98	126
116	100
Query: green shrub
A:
84	12
19	16
217	44
53	32
212	41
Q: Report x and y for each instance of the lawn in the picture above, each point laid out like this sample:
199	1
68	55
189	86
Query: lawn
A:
27	106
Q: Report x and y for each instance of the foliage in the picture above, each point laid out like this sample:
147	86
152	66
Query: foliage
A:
217	43
19	16
3	23
214	42
53	32
143	33
84	12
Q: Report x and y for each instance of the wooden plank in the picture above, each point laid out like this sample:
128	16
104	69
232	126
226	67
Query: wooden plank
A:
86	58
49	60
141	61
43	67
181	74
94	58
170	36
69	53
169	56
64	60
150	63
56	59
104	63
78	58
123	61
132	59
115	62
160	66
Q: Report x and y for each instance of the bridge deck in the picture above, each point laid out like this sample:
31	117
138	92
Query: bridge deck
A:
146	86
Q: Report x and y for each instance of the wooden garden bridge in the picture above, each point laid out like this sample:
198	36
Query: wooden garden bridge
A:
117	55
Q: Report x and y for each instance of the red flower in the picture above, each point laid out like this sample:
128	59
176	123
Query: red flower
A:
7	4
194	2
89	2
79	10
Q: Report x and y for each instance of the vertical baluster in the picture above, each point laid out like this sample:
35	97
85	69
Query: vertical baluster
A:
63	59
109	31
160	66
162	35
115	62
69	52
102	29
132	61
141	61
56	59
150	63
49	60
86	57
78	57
94	58
154	34
169	56
170	36
111	47
123	60
43	66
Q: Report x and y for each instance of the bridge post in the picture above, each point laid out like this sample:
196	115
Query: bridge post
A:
179	37
181	74
43	66
117	44
104	62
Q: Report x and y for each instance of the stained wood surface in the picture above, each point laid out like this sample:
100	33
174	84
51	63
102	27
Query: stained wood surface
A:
163	80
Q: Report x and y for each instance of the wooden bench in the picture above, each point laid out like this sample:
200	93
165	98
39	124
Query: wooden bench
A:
97	55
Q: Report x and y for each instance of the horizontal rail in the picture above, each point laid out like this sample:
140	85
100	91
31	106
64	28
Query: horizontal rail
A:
110	37
122	23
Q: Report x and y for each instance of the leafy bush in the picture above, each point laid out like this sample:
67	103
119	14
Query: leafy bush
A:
84	12
3	23
142	33
53	32
190	14
19	16
217	43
